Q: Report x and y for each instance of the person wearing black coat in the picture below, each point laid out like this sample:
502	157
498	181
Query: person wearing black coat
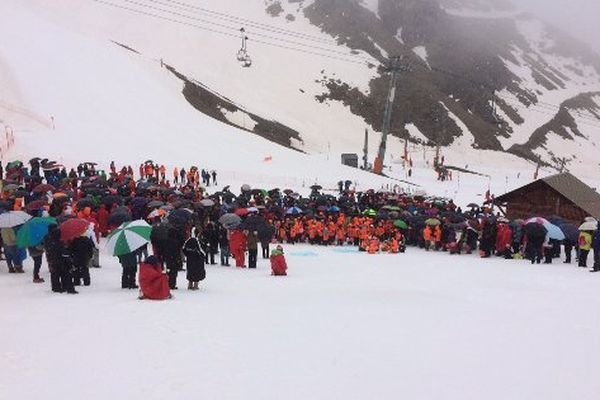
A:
265	234
171	255
211	238
194	250
224	246
59	261
82	251
129	264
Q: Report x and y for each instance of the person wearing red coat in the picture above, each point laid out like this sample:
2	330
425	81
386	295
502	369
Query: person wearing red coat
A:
103	221
504	241
278	263
154	284
237	247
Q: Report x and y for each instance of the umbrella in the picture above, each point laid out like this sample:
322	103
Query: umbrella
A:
535	230
554	232
246	188
118	217
400	224
72	228
207	202
253	222
537	220
43	188
14	164
128	237
36	205
157	213
333	209
230	221
316	187
590	224
86	202
155	204
571	232
432	222
13	218
112	199
241	212
33	232
432	212
472	205
180	217
370	212
288	191
293	211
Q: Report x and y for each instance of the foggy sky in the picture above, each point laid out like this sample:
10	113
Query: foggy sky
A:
580	18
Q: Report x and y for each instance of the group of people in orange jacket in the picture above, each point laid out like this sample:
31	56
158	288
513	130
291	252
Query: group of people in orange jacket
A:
370	235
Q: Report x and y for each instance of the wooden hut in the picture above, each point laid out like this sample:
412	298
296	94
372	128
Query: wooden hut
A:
561	195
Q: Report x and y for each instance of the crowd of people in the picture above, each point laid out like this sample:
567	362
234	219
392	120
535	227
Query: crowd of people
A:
64	215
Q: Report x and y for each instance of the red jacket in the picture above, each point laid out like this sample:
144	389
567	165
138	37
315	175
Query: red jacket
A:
237	241
153	283
103	220
278	264
503	238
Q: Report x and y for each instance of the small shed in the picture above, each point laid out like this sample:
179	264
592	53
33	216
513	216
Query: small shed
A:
561	195
350	159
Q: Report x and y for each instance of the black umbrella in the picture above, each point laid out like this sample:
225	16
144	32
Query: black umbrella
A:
253	222
86	202
535	231
155	204
230	220
112	199
180	217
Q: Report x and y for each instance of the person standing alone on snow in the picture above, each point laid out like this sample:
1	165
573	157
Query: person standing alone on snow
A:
278	263
194	255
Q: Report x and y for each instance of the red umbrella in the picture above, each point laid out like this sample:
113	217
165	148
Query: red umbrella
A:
241	212
43	188
36	205
73	228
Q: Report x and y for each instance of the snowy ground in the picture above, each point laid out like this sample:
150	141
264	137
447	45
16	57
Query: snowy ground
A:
417	326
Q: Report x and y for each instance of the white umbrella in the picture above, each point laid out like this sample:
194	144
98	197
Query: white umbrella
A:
13	218
590	224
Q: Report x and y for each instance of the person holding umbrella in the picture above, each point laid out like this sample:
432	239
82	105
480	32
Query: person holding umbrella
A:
36	253
127	243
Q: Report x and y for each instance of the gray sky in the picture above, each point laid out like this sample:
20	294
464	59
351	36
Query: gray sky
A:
580	18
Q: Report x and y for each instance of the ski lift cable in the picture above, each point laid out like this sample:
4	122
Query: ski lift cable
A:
248	22
372	62
220	25
233	35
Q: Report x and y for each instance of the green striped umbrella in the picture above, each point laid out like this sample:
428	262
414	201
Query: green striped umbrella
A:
129	237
